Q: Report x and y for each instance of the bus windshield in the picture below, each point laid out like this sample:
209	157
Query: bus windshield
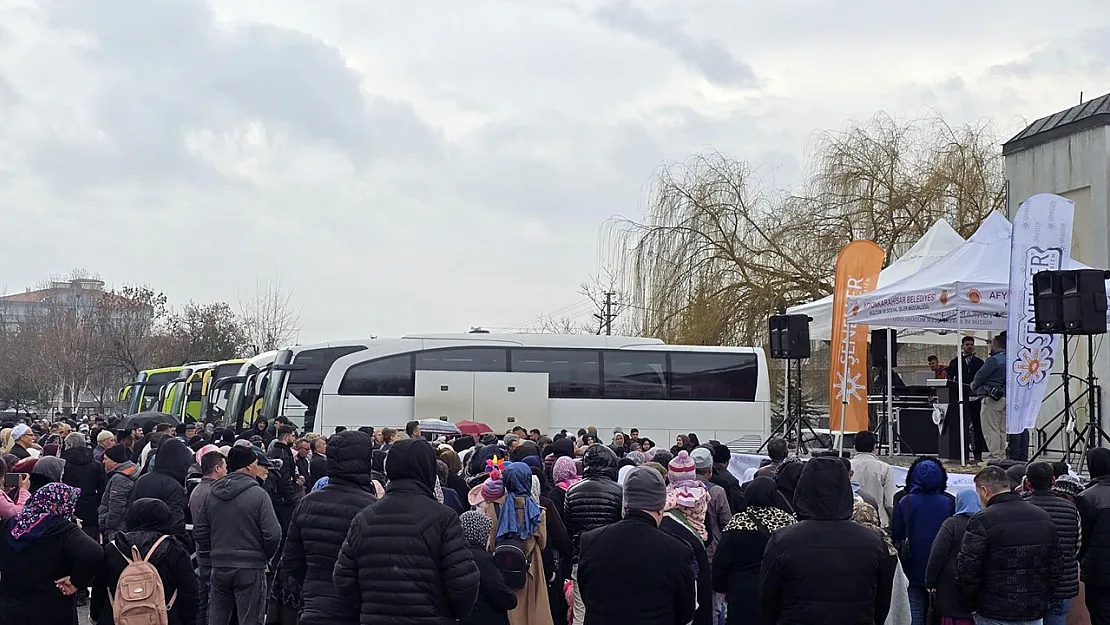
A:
294	394
151	387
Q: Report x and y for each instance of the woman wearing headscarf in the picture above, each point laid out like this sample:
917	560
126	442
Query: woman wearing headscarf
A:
558	553
149	525
681	443
454	470
565	474
48	469
44	559
684	518
517	514
495	598
940	574
739	555
918	516
865	514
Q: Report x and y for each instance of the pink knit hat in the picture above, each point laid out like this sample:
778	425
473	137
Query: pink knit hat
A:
681	469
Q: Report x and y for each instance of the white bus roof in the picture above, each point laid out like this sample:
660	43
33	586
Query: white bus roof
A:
541	340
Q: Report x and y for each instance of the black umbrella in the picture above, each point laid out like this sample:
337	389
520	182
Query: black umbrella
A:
139	419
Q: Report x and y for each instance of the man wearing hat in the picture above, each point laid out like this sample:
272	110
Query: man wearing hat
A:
104	440
662	593
24	439
237	530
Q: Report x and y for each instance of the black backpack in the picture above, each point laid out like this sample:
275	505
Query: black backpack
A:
509	556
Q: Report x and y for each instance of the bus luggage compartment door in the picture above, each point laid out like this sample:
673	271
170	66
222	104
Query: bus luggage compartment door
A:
506	400
444	394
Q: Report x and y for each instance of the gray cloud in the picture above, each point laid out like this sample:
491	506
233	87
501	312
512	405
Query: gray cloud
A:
711	58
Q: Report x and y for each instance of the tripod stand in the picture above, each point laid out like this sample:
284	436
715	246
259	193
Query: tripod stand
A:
1067	420
794	420
1093	435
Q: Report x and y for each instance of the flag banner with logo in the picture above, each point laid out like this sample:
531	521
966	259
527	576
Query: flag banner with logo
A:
1041	242
857	272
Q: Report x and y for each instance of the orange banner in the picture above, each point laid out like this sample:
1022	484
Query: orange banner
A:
857	271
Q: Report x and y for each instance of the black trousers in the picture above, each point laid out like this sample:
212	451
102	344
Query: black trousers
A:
972	417
1098	604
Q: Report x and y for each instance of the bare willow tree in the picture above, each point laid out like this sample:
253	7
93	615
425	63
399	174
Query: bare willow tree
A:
718	252
268	316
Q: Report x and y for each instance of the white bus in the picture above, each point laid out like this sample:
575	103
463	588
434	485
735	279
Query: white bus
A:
552	382
290	387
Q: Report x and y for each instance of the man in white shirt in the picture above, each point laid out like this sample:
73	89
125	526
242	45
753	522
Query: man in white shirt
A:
874	476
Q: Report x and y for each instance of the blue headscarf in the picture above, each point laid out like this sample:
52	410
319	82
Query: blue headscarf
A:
320	483
967	502
517	478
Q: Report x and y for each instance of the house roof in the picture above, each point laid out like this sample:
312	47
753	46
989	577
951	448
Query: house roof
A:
29	297
1090	114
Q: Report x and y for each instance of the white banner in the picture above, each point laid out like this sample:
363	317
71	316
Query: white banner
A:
1041	242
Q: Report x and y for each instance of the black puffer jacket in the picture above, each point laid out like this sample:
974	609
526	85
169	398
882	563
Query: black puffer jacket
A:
320	523
597	500
84	472
1009	560
166	481
152	520
826	568
405	560
1094	554
284	479
1066	518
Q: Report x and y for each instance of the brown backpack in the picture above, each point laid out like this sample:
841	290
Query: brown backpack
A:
140	597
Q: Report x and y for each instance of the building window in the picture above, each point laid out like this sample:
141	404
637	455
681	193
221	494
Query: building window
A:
385	377
713	376
635	375
571	373
462	359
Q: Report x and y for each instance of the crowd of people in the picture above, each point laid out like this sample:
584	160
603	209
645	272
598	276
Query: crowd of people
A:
272	526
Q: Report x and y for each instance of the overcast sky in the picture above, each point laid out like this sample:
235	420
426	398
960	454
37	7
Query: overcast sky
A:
430	165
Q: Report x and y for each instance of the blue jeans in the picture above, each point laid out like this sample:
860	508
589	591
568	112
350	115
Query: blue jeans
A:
1057	613
982	620
919	605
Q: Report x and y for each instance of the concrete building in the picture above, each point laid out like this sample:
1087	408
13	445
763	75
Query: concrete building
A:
1068	153
80	295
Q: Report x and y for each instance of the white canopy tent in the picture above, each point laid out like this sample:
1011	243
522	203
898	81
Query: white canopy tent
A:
934	245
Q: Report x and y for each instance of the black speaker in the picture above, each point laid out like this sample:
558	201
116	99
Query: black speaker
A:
1083	301
789	336
1047	317
878	347
1070	302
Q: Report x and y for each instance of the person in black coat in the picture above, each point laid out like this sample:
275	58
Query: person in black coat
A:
631	572
1039	478
317	462
940	573
405	560
592	503
739	555
495	598
826	568
1010	559
726	480
166	481
319	525
972	407
148	520
39	546
85	473
1094	552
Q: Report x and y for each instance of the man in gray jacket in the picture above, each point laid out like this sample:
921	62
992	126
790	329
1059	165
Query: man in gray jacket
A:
122	474
990	383
237	530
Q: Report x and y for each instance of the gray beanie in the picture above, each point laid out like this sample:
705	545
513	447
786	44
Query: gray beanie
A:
644	490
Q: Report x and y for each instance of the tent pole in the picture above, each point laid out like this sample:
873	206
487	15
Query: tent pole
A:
844	392
889	394
960	378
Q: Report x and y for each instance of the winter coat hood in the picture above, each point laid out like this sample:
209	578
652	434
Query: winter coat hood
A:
173	459
232	485
927	475
414	461
599	461
349	458
824	491
147	521
78	456
127	469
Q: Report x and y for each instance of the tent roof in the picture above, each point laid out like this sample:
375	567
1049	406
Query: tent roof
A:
940	239
965	289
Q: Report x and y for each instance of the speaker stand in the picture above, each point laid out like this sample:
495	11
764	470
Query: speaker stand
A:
794	422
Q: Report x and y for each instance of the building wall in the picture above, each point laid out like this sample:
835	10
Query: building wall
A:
1076	167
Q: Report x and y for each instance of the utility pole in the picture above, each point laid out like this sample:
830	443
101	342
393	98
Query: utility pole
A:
606	317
